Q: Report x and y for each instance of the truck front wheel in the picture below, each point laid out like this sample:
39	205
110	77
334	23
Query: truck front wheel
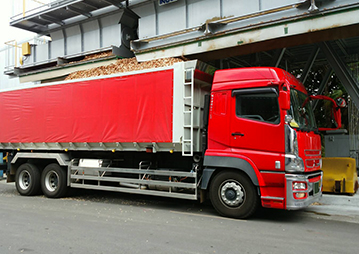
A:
28	180
53	181
233	195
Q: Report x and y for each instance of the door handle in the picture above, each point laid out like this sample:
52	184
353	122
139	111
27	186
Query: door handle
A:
237	134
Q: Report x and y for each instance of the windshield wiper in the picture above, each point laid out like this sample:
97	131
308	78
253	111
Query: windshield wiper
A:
307	129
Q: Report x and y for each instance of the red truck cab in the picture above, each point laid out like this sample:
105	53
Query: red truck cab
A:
262	128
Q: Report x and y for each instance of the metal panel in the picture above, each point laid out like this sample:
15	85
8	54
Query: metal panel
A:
111	30
232	162
57	44
62	158
42	52
91	35
171	17
178	102
73	40
233	8
270	4
200	11
337	145
147	22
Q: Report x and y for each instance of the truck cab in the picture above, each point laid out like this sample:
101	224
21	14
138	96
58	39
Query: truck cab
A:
262	132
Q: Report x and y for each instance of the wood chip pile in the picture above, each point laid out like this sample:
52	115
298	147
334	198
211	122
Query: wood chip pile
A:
94	56
122	65
98	55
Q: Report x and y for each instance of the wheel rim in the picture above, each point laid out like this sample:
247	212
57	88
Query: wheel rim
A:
232	193
52	181
24	180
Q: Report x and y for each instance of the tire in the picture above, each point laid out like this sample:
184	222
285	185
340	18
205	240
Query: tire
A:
53	181
27	180
232	194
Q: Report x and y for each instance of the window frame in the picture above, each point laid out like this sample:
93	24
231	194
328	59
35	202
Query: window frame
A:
253	91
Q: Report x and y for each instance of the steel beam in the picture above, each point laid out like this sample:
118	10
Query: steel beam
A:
324	81
78	11
341	71
322	86
309	64
115	3
235	32
89	5
278	57
51	19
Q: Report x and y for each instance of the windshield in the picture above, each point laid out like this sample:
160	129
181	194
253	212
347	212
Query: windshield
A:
301	111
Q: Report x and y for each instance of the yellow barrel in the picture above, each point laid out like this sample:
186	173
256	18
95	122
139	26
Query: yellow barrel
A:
340	175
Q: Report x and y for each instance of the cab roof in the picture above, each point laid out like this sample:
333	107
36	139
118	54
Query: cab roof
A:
253	77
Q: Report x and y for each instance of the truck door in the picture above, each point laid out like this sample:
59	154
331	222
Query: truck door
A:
256	127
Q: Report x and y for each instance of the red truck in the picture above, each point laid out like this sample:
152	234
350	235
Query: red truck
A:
241	137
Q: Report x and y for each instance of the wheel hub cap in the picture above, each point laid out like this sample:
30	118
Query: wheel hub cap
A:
232	194
51	181
24	180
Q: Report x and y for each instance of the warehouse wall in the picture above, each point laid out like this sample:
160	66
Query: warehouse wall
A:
156	20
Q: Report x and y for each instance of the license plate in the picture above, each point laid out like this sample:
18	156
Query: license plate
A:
316	187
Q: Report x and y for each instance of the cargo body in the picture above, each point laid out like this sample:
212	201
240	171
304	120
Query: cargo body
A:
125	112
242	138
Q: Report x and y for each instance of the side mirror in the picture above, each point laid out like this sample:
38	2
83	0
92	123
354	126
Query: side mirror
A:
335	110
284	96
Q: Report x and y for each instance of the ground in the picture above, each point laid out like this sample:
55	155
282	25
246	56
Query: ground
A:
105	222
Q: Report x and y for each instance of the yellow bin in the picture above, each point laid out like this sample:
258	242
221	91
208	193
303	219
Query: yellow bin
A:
339	175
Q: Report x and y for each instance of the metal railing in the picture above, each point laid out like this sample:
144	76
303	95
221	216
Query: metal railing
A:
11	55
22	8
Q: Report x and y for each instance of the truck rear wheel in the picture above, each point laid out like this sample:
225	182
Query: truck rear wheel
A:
53	181
28	180
233	195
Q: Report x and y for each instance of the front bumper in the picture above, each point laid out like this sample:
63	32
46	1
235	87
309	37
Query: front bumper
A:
297	199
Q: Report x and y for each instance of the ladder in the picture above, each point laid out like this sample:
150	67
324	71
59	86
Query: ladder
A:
188	95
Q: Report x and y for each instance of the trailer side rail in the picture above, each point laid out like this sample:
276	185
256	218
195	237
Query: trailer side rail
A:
156	182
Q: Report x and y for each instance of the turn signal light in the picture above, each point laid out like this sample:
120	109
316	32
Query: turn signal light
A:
300	195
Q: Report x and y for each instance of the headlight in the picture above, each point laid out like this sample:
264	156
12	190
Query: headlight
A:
299	186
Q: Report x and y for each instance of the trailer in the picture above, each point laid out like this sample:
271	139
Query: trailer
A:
242	138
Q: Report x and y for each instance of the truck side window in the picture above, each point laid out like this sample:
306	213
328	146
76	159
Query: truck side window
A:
262	107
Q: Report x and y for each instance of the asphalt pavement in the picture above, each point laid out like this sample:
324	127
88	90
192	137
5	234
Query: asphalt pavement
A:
108	222
340	207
